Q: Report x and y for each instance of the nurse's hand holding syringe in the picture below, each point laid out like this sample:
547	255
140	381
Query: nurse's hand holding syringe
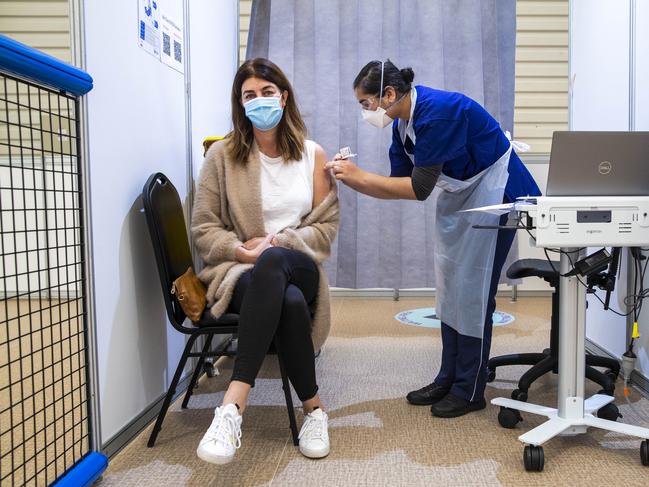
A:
345	170
367	182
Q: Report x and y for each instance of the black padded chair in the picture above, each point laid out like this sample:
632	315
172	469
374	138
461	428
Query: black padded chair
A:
548	360
166	222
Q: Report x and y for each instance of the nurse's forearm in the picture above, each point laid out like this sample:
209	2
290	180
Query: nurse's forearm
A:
386	188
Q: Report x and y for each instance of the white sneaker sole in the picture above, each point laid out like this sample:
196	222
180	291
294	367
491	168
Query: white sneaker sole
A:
314	453
211	458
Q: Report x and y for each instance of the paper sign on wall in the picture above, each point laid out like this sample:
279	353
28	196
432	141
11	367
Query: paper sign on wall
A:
149	26
171	43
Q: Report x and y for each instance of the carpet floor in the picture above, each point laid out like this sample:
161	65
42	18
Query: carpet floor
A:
368	364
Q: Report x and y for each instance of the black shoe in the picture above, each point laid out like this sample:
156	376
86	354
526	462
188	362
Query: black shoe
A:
427	395
453	406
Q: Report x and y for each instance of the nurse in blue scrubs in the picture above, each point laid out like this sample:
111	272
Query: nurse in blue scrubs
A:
448	140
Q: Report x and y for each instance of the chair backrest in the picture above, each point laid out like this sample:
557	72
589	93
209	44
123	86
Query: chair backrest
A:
166	222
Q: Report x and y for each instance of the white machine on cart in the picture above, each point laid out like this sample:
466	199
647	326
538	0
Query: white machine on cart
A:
572	224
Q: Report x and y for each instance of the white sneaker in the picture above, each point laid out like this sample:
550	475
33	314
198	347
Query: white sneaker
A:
314	436
223	437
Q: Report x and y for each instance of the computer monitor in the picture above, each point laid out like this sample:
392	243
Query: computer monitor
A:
599	164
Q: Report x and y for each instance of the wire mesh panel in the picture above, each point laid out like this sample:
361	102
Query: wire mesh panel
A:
43	369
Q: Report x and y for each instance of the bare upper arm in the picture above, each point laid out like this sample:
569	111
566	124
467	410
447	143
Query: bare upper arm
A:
321	180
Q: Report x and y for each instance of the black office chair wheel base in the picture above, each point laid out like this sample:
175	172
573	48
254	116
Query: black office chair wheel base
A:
606	393
533	458
644	453
518	395
209	369
509	418
609	412
491	375
612	374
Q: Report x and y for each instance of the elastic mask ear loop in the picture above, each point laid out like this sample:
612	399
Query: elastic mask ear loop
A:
379	145
381	87
381	92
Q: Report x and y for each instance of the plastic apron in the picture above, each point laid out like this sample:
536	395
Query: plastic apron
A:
464	256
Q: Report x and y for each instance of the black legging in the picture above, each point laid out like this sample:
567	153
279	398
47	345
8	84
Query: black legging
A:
272	299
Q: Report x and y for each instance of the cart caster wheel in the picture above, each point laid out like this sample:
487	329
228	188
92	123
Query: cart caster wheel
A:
209	369
644	453
533	458
491	375
518	395
509	418
609	412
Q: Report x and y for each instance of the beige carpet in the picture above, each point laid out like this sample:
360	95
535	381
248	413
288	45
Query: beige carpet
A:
43	431
367	366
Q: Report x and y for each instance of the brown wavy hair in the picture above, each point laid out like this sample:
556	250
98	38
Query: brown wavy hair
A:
291	130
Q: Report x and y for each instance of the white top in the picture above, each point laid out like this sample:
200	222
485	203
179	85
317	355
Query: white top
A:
286	189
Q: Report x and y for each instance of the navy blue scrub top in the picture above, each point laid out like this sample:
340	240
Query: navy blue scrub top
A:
453	130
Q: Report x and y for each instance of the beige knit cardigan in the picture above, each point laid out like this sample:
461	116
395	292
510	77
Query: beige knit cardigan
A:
228	211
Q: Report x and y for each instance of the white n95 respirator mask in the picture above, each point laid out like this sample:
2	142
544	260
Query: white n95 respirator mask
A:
379	118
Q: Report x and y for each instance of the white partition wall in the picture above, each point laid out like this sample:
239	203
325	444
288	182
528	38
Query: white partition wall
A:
138	121
641	122
641	66
599	70
599	64
609	57
213	65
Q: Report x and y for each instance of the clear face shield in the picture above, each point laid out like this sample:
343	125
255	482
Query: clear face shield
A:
374	145
377	117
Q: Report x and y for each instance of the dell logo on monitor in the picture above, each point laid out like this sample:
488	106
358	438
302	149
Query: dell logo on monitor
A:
604	167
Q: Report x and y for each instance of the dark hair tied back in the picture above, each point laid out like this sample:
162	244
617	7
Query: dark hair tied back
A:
369	78
408	75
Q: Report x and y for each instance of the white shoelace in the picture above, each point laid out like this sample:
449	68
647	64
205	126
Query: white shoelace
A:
313	428
225	430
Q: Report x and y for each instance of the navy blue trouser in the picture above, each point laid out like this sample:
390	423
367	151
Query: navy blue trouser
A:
464	358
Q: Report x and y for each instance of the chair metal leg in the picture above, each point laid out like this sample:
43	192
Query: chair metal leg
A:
197	371
171	391
287	394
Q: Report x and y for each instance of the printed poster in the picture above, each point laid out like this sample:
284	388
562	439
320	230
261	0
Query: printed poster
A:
171	43
149	26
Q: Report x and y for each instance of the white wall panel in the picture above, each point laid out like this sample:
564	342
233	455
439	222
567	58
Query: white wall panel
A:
642	123
599	62
137	126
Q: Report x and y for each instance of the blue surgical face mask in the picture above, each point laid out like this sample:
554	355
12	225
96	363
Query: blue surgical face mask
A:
264	112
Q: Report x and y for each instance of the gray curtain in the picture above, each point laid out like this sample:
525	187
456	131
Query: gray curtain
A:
457	45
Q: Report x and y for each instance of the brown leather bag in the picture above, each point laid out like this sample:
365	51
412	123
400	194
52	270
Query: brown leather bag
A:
190	294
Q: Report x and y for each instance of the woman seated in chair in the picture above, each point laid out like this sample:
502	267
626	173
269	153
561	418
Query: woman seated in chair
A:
265	215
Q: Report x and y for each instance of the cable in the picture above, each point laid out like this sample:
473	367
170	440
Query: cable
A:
640	416
550	262
559	251
634	300
641	296
532	236
635	284
643	292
